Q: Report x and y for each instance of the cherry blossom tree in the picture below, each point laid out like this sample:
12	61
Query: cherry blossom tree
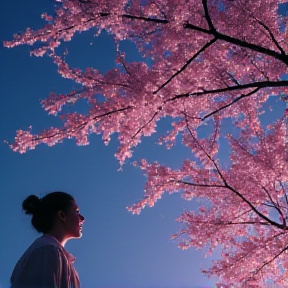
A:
210	60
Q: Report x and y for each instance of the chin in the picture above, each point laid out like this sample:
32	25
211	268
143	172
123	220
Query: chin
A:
77	234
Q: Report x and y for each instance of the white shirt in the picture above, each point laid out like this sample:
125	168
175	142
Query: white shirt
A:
45	264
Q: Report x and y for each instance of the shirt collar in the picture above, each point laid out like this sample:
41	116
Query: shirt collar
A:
69	256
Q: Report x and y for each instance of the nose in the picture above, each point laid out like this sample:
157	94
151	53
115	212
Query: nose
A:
81	218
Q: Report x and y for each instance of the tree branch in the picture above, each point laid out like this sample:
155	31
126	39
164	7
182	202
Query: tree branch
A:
280	226
207	16
232	223
229	104
139	130
82	124
285	195
233	78
275	206
186	64
212	31
241	43
103	14
147	19
263	84
242	214
205	152
200	185
271	260
270	34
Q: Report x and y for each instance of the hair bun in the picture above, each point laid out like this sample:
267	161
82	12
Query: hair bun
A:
31	204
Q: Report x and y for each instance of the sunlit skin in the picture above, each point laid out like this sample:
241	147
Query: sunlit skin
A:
67	225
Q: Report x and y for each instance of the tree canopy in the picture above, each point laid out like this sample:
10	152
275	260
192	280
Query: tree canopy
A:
203	61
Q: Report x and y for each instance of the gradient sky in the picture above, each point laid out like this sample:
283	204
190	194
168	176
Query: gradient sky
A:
117	249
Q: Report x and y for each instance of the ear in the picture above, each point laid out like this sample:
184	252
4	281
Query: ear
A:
61	216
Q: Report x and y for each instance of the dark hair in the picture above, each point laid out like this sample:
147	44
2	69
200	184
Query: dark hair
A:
44	210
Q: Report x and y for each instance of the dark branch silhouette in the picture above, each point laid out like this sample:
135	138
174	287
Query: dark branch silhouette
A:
186	64
241	43
229	104
226	185
81	125
263	84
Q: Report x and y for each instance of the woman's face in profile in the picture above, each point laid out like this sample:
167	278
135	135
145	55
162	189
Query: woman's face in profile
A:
74	221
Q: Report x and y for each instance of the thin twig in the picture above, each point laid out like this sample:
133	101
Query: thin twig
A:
272	259
231	188
186	64
271	34
232	102
81	125
143	126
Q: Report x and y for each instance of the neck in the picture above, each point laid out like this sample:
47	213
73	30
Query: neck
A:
62	239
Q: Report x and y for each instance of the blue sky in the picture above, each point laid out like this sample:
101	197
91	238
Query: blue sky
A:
117	249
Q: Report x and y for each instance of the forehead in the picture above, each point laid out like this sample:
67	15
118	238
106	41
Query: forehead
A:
74	205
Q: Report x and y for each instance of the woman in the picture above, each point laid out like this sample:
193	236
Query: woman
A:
46	264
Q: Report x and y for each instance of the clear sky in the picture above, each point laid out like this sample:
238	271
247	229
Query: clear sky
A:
117	249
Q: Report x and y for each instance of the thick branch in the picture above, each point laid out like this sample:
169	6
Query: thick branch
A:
201	185
212	31
263	84
241	43
280	226
147	19
207	16
216	223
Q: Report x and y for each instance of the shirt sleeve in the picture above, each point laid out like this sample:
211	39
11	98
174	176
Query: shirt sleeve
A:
46	267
